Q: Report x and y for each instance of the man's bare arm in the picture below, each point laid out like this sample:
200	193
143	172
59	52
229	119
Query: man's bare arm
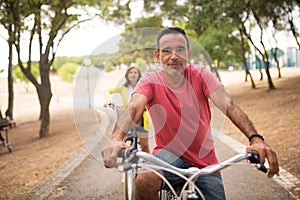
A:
222	100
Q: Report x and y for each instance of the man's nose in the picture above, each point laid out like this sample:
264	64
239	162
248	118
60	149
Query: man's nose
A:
174	55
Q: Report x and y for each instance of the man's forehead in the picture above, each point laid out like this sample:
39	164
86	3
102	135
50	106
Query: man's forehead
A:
172	40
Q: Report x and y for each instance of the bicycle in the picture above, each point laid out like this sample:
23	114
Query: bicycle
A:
131	160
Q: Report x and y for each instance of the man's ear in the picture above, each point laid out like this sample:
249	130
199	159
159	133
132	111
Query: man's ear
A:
156	53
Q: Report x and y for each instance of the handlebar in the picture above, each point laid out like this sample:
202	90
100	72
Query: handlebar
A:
129	157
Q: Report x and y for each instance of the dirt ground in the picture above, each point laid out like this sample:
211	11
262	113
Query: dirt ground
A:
275	114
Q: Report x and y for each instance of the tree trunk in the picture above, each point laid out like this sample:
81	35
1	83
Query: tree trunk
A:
264	54
45	95
44	99
244	60
216	71
293	27
259	68
277	63
247	72
251	78
270	82
10	80
1	117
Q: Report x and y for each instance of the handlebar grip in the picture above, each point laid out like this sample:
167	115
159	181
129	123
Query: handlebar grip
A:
124	153
255	159
126	157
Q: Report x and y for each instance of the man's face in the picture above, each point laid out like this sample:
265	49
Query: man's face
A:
173	53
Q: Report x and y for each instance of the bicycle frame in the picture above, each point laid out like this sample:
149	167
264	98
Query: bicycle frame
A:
130	175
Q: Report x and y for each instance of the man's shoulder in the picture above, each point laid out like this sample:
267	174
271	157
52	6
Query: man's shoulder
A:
195	71
193	67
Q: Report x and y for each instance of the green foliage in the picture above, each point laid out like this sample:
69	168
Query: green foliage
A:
101	60
154	21
139	39
223	47
60	61
109	68
141	63
19	75
67	71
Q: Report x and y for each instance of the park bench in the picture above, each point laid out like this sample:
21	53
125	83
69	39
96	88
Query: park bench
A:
5	125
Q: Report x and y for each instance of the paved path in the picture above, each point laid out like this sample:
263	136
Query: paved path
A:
90	180
84	177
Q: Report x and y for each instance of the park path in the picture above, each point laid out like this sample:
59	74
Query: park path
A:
85	177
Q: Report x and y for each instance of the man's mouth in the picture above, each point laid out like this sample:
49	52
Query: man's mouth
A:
174	64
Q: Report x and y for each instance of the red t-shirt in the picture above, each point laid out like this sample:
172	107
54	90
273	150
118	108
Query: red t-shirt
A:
181	117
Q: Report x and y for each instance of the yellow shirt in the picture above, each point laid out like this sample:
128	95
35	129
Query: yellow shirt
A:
124	94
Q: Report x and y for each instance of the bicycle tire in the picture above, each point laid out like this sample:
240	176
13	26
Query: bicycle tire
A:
129	185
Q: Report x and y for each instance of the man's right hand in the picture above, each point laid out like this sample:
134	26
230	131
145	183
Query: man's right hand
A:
265	151
110	152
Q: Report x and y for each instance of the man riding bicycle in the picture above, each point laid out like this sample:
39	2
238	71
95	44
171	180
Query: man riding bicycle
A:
177	98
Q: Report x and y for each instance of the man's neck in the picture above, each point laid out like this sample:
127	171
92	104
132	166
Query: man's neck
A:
174	81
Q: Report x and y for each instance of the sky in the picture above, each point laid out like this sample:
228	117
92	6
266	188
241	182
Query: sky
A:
78	42
85	40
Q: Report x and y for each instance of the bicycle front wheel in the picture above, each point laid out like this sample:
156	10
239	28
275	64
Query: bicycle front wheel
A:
129	185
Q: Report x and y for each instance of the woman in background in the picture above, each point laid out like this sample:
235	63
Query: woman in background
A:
132	76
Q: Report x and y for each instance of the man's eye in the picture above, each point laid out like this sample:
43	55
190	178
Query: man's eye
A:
180	49
166	51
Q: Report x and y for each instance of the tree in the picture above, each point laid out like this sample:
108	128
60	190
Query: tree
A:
216	43
288	7
256	10
139	36
241	52
239	15
141	63
7	18
67	71
47	23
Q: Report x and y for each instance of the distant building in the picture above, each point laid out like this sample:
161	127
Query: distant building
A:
288	58
292	57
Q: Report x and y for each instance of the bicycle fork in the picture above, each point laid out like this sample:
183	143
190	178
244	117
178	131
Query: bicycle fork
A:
191	194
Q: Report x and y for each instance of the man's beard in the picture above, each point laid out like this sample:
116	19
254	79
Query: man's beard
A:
171	71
